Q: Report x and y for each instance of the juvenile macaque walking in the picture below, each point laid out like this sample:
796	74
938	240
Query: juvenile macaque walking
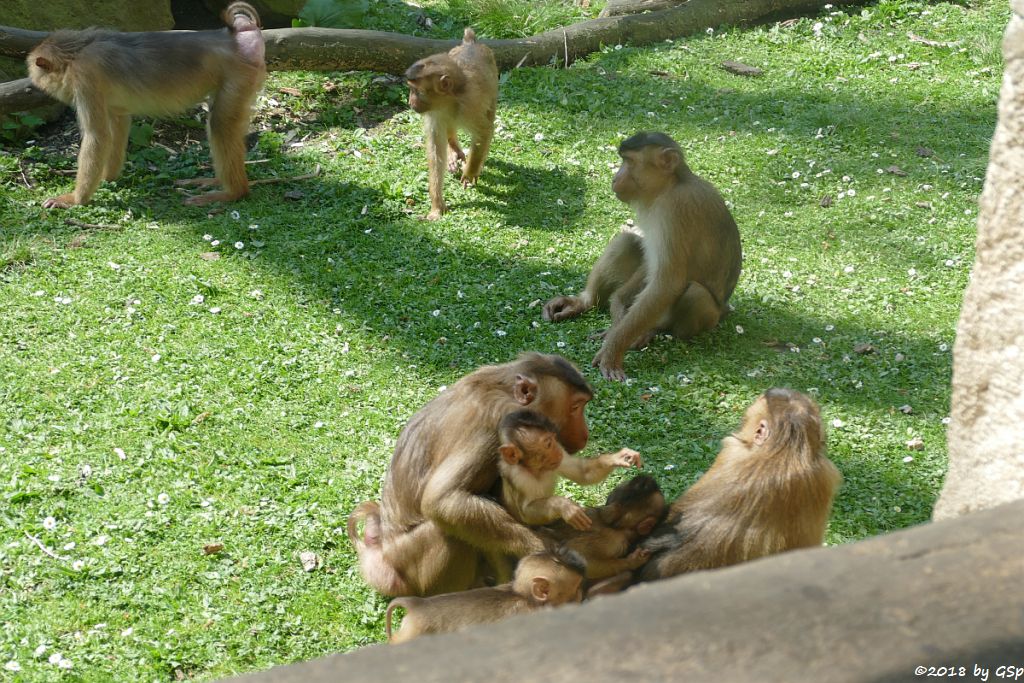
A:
531	461
546	579
453	90
108	76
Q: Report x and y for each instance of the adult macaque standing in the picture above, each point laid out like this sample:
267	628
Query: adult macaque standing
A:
108	76
453	90
434	523
632	510
531	462
677	275
546	579
769	490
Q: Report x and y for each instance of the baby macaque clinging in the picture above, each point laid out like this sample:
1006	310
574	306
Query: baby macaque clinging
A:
532	459
546	579
632	510
109	76
675	276
453	90
769	490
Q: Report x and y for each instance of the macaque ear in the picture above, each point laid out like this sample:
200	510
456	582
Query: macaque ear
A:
509	453
525	390
668	160
541	588
444	84
44	63
762	432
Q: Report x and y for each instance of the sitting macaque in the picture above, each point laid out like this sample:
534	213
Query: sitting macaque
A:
531	461
108	76
453	90
677	275
769	490
546	579
632	510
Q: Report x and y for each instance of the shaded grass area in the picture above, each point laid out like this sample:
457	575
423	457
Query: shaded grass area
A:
155	398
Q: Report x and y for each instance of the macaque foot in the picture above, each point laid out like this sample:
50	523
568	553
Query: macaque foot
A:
643	342
196	182
436	212
65	201
211	197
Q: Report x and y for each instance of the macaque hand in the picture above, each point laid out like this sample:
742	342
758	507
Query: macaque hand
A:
576	517
627	457
456	160
611	368
638	558
65	201
562	308
468	180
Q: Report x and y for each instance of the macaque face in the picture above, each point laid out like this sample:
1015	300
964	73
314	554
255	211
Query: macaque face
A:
567	409
643	516
625	183
542	451
417	101
567	587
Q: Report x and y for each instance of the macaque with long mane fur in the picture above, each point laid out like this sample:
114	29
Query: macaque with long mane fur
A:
542	580
677	274
108	76
769	490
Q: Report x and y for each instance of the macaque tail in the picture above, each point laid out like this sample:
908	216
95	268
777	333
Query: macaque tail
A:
369	512
397	602
241	16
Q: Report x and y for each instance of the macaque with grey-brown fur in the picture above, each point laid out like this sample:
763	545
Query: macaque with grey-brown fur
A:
108	76
630	513
677	274
531	462
455	90
546	579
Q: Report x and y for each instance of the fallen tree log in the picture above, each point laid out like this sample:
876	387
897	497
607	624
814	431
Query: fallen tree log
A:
325	49
614	8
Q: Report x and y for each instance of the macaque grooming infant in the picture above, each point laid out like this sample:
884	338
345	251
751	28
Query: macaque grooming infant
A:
546	579
532	459
632	510
108	76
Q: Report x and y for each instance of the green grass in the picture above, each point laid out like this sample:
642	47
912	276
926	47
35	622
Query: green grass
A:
147	422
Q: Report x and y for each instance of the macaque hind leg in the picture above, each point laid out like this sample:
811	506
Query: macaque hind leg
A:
229	120
694	312
120	124
478	149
